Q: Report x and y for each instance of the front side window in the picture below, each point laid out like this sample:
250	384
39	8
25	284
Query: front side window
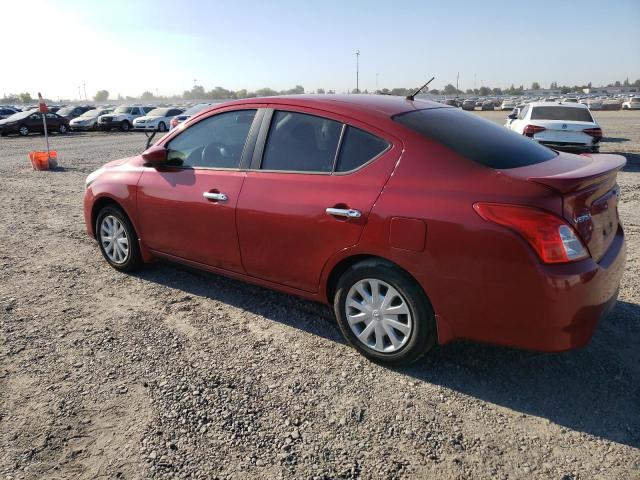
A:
301	142
215	142
357	148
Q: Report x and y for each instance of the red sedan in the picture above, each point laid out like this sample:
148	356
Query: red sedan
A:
418	222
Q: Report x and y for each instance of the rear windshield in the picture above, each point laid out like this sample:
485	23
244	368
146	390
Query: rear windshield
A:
561	113
475	138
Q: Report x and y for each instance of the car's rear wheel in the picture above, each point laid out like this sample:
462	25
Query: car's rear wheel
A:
162	127
95	127
125	126
384	313
63	128
23	130
118	240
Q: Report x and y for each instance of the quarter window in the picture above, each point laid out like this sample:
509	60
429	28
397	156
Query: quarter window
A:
215	142
301	142
357	148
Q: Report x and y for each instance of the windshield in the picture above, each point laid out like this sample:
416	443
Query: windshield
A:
19	115
196	109
65	111
159	112
122	110
561	113
475	138
89	113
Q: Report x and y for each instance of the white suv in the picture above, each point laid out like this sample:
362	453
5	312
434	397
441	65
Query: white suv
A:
632	103
122	117
559	126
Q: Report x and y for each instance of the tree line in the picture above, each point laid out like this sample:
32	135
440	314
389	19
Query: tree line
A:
198	92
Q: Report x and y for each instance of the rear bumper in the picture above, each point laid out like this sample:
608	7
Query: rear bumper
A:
571	146
550	308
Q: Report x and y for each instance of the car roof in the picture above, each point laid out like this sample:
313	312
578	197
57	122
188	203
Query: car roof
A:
383	105
558	104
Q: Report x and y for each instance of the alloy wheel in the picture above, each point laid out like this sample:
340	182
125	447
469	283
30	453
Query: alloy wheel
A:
378	315
114	239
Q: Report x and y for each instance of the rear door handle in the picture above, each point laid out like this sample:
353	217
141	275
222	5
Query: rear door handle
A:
221	197
344	212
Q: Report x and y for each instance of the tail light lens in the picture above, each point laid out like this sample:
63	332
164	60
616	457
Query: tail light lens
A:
594	132
553	239
173	123
531	130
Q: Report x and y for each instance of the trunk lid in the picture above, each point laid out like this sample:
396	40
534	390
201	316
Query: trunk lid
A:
589	190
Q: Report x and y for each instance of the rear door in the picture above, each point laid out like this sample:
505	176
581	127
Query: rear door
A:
313	182
187	208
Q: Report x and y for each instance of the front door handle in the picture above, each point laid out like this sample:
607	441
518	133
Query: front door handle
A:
221	197
344	212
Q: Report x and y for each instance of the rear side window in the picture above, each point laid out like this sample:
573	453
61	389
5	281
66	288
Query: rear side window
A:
301	142
561	113
357	148
475	138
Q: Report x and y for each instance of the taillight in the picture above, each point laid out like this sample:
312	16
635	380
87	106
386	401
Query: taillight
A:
531	130
553	239
594	132
173	123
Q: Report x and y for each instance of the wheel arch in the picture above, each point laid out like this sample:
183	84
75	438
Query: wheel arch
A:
101	203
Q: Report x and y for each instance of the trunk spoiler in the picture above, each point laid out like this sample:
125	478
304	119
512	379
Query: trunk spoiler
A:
568	173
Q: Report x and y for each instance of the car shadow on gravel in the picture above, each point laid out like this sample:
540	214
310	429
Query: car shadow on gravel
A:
633	161
286	309
595	389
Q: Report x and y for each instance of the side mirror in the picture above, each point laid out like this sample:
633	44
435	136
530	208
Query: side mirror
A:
155	155
513	116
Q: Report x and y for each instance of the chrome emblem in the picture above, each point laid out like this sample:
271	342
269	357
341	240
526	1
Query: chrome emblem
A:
583	218
564	126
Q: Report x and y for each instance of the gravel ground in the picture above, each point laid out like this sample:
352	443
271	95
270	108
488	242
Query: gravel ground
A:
174	373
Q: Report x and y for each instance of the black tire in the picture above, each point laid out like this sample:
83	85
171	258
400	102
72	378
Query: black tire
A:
125	126
162	127
62	129
95	127
23	130
133	261
423	335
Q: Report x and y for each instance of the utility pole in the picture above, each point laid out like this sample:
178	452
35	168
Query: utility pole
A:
84	86
457	80
194	82
377	74
79	96
474	81
357	71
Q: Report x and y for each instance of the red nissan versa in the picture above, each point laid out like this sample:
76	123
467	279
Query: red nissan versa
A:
420	223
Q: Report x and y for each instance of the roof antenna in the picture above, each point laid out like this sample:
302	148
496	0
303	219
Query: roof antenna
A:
411	97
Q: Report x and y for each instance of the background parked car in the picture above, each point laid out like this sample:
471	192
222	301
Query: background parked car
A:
469	104
157	119
72	112
632	103
568	127
487	105
6	112
89	119
27	122
122	117
177	120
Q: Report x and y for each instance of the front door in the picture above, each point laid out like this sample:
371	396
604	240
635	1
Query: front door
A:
309	195
187	208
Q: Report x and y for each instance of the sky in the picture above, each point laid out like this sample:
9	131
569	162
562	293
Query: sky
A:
127	47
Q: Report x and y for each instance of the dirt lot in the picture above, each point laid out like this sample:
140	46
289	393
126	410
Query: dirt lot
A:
173	373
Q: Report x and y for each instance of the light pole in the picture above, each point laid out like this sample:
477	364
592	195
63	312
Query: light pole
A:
84	86
457	80
377	74
357	71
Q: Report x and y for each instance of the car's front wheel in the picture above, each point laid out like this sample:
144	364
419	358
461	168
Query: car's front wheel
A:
125	126
162	127
23	130
63	128
384	313
118	240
